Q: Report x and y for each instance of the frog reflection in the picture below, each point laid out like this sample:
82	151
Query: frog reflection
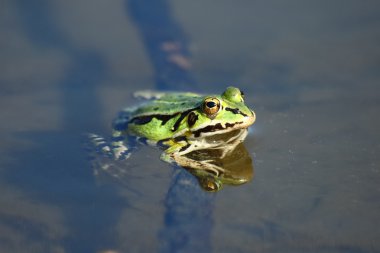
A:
237	166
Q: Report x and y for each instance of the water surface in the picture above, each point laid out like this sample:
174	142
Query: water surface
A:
309	70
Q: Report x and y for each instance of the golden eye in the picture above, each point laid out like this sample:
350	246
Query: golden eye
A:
211	106
210	183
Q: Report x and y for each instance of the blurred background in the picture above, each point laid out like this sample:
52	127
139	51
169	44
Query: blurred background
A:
310	70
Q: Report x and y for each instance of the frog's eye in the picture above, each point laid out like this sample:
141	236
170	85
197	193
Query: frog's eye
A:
210	184
233	94
211	106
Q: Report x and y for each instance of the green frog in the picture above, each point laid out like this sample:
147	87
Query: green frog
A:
183	124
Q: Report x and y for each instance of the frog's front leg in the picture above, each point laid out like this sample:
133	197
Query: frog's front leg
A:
176	153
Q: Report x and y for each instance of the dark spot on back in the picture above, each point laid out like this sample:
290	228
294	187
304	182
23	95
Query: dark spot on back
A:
141	120
146	119
191	119
180	118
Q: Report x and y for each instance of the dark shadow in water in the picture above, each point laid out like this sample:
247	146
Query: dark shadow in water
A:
165	42
56	172
189	210
188	216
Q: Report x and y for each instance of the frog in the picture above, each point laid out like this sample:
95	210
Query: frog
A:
182	123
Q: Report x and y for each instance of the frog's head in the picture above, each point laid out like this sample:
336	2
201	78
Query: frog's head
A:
222	114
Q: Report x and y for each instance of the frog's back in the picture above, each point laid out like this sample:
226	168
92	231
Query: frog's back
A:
161	118
168	104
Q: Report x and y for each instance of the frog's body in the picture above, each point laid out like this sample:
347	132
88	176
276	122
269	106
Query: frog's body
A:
183	123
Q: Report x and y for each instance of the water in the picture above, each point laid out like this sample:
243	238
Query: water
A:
310	70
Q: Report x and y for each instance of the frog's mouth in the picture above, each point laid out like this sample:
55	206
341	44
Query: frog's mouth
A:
224	128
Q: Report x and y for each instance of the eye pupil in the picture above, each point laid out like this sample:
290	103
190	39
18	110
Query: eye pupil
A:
210	104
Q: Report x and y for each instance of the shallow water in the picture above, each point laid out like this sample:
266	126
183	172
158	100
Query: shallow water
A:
309	70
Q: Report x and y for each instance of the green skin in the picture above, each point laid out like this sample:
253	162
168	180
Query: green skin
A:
183	122
176	103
